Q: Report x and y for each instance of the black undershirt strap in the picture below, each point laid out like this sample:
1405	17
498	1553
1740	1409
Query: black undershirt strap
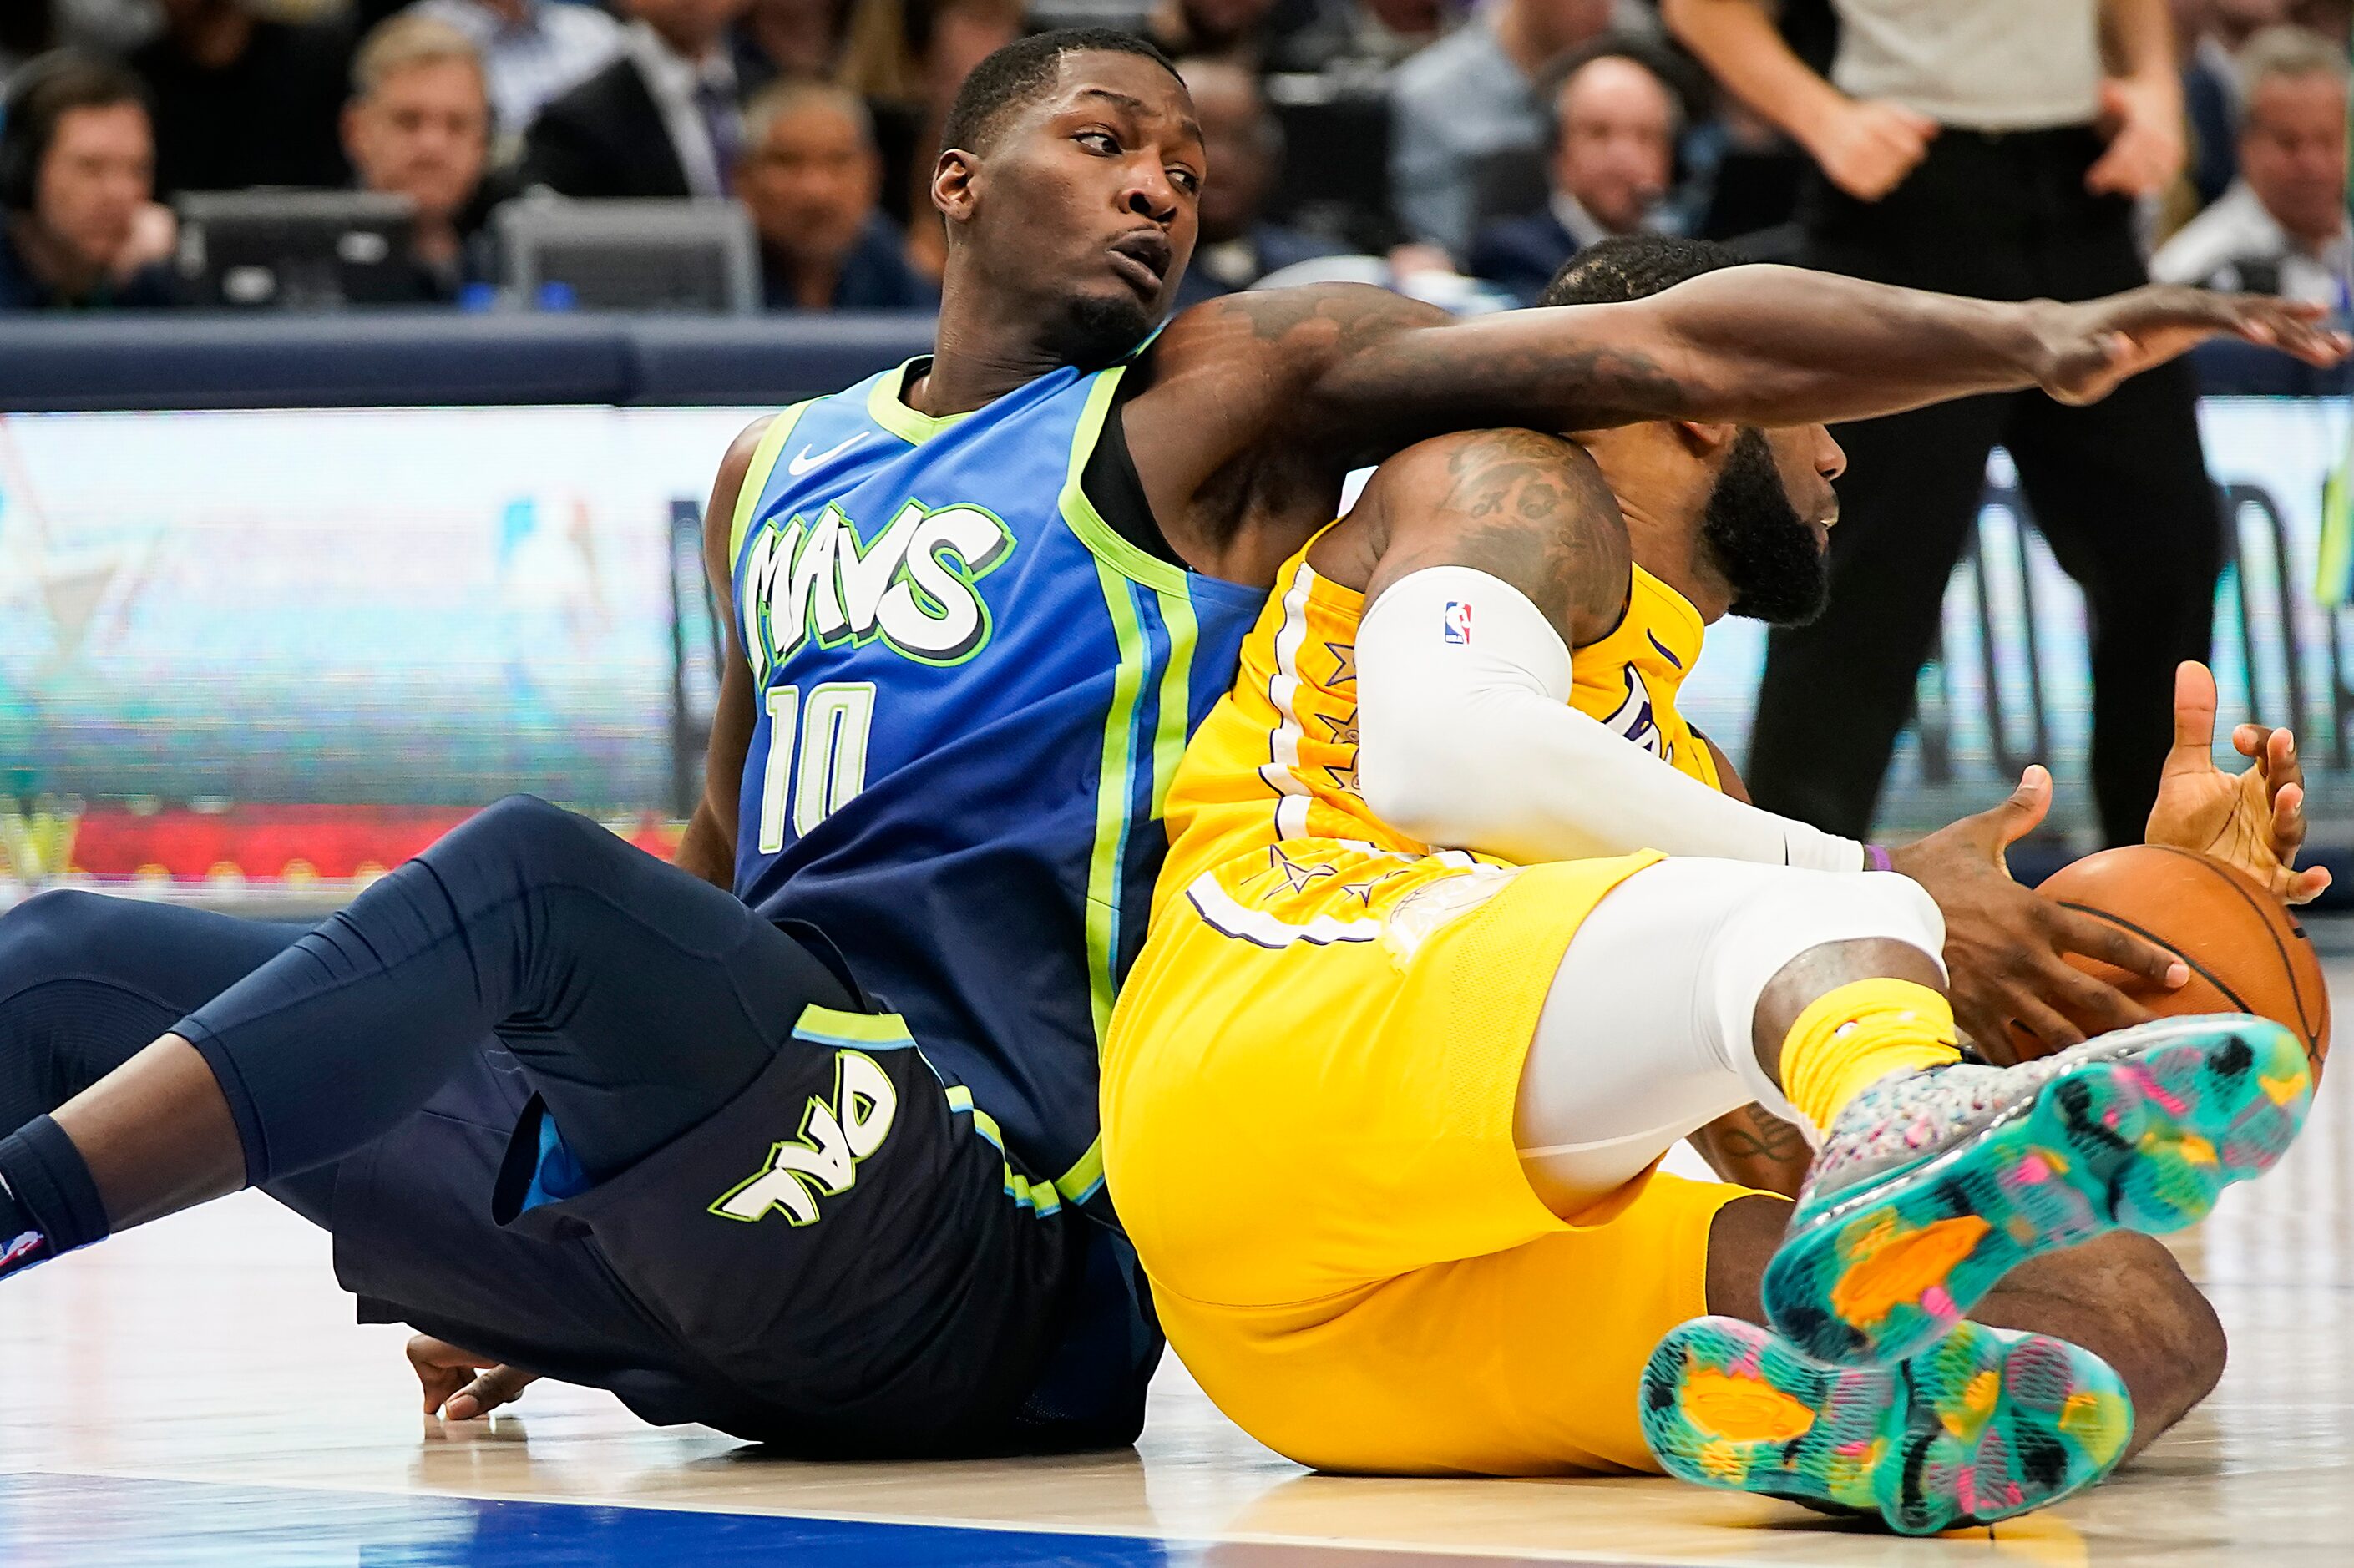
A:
1110	480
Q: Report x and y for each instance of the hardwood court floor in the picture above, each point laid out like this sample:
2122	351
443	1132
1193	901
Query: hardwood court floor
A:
195	1393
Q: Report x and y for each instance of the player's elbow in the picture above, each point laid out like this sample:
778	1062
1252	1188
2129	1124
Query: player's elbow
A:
1417	776
1398	792
1403	785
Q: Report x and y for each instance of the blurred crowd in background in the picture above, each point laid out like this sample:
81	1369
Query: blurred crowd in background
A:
1459	153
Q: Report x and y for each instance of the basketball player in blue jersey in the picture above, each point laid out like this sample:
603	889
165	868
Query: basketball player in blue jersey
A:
815	1163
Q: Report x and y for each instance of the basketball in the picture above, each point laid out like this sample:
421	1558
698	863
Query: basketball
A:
2246	952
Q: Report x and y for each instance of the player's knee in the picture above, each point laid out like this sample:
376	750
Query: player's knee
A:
522	831
1787	916
1777	920
50	932
2126	1297
519	817
2178	1322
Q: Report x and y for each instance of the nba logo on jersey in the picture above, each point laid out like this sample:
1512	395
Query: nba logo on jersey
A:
1457	618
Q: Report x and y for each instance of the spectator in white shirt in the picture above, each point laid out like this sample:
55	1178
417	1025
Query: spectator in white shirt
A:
2282	228
531	49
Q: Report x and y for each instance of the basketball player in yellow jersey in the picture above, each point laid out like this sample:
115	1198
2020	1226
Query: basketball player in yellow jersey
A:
1381	1117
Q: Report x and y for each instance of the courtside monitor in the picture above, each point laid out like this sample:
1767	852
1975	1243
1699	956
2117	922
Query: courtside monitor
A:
687	256
291	249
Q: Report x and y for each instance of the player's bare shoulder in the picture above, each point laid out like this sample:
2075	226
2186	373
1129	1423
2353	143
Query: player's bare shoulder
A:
719	511
1530	508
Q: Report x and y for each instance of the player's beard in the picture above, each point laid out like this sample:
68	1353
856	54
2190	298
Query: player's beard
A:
1765	552
1094	332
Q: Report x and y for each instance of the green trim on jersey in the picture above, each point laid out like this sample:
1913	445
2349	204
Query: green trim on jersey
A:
1115	792
831	1026
1039	1197
1102	540
1086	1177
1176	692
887	409
756	479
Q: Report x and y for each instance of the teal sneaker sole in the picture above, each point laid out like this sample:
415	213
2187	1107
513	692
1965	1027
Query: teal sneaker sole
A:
2142	1134
1987	1425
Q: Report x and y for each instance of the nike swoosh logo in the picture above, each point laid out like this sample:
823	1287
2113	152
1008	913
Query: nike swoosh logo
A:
802	461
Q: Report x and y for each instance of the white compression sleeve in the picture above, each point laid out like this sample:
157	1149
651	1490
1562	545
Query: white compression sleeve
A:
1466	740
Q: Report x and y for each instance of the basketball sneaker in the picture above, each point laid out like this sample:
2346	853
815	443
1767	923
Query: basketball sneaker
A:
1986	1424
1931	1186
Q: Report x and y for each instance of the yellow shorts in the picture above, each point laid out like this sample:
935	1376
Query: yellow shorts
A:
1308	1091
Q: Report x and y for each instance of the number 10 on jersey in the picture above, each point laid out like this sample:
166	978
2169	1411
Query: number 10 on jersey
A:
817	756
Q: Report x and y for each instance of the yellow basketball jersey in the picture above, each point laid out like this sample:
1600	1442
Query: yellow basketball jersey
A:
1276	762
1330	1011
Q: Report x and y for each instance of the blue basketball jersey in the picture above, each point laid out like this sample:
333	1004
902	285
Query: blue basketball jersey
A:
971	695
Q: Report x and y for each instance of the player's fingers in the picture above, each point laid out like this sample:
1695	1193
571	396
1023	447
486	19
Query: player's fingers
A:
2194	712
499	1385
2291	326
1987	1030
2311	343
2092	1003
1907	143
2072	932
2284	768
1991	1037
2053	1031
436	1385
441	1368
2020	815
2304	886
2288	821
2249	739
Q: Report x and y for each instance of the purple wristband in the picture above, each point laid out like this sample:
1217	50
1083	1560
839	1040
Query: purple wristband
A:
1876	859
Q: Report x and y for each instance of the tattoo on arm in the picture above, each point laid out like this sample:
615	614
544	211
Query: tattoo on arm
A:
1340	319
1529	509
1368	372
1756	1148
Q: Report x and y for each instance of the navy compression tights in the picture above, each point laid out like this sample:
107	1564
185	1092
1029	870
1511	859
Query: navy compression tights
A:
636	999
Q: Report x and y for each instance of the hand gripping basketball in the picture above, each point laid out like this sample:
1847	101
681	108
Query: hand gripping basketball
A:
2007	950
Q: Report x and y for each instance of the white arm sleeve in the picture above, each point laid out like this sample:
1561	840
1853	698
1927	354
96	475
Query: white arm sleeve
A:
1466	740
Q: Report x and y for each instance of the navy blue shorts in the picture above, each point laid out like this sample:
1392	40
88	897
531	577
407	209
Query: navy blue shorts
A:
838	1261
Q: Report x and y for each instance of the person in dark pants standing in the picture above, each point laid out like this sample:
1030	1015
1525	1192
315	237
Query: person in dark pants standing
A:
1977	147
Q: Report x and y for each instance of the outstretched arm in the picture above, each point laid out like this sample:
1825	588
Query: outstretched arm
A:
1358	372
